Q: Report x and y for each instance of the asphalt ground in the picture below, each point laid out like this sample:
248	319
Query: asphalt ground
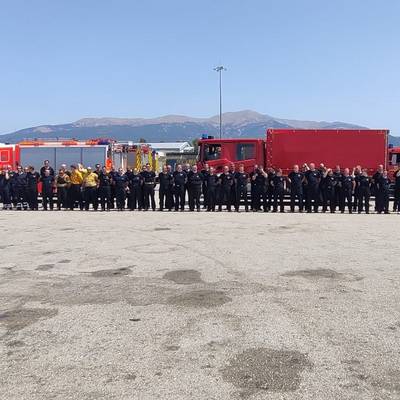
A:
143	305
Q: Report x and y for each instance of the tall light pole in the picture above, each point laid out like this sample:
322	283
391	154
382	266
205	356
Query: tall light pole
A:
219	70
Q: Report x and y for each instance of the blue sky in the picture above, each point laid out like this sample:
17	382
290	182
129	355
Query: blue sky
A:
306	59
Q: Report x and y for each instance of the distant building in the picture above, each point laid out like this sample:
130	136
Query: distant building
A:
172	147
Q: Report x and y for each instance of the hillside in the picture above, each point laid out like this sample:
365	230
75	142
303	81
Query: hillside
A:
245	123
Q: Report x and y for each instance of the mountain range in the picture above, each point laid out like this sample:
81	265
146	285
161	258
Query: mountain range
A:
171	128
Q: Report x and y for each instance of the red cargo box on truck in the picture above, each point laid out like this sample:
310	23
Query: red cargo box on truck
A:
346	148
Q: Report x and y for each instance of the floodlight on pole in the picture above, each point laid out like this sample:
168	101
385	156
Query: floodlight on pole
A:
219	70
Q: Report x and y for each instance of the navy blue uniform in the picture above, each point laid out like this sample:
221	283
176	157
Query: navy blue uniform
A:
166	180
347	193
5	188
212	191
364	193
328	198
180	179
383	186
135	191
259	191
225	196
32	189
241	180
205	175
278	183
313	179
195	182
20	180
396	205
120	184
105	183
149	183
47	191
296	190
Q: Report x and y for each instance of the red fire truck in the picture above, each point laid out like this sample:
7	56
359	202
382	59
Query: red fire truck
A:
69	151
282	148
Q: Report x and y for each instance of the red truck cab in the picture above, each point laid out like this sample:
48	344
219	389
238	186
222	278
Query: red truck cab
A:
219	152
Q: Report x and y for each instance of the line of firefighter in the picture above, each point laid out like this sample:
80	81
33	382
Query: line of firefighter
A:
309	188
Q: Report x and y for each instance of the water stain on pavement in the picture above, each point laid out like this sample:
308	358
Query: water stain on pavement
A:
200	299
106	273
45	267
263	369
322	273
184	276
17	319
388	382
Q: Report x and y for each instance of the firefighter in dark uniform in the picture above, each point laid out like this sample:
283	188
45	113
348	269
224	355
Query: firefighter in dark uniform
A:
62	183
260	188
113	173
205	172
129	173
356	175
323	172
105	183
338	186
252	187
232	170
295	179
329	183
241	180
46	166
278	183
226	182
180	179
313	178
269	196
47	190
20	187
396	205
374	186
5	184
195	182
149	183
120	182
348	186
135	190
187	170
165	179
364	191
33	178
383	186
212	189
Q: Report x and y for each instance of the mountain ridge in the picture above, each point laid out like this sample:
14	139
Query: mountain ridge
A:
245	123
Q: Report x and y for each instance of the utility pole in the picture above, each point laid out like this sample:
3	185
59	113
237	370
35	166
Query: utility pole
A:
219	70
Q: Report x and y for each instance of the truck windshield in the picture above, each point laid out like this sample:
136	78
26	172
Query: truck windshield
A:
212	152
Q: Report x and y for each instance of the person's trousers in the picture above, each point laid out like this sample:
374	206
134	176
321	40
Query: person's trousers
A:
241	193
32	197
47	199
90	197
347	199
105	197
62	197
120	197
166	198
179	194
75	196
363	199
194	197
296	195
149	196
